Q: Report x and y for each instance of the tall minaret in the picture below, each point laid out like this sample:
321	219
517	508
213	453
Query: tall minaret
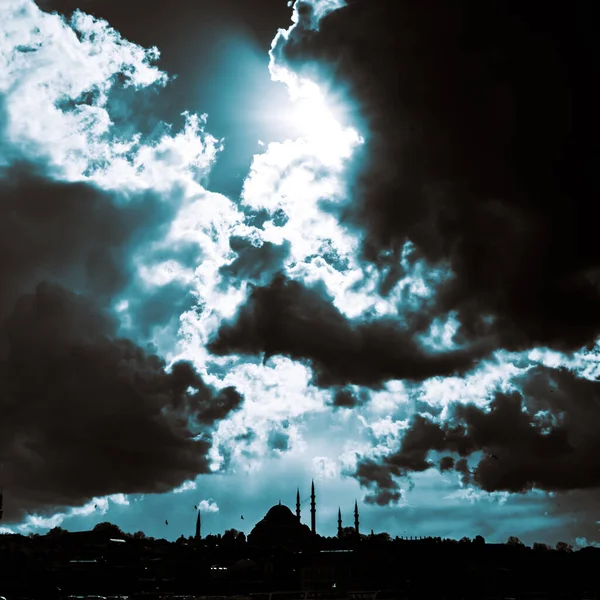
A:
313	509
298	503
339	522
356	518
198	525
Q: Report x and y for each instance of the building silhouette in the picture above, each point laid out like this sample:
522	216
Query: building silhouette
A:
313	509
282	527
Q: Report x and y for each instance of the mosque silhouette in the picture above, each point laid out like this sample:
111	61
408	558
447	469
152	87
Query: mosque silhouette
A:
280	523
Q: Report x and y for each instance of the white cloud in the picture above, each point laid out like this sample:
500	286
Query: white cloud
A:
120	499
186	486
582	542
320	9
48	65
387	401
278	391
325	468
351	454
96	505
291	177
208	506
473	495
441	333
478	386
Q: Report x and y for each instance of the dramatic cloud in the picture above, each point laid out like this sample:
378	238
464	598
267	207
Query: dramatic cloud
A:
257	263
70	233
543	435
76	399
403	290
302	323
92	265
477	149
346	397
95	506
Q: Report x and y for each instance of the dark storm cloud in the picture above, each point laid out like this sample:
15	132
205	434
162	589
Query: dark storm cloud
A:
86	239
446	464
346	397
85	413
160	307
254	263
480	121
464	471
376	477
544	437
302	323
70	233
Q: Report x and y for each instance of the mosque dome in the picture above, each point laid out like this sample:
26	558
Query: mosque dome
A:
280	526
280	513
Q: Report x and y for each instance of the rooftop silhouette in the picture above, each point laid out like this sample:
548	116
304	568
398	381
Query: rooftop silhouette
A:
282	554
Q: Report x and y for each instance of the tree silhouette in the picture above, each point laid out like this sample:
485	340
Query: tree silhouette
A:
56	532
513	540
109	529
229	537
539	547
563	547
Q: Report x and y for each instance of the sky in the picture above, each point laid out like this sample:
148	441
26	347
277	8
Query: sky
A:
248	245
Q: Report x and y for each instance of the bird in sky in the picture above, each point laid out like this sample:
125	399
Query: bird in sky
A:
242	517
166	522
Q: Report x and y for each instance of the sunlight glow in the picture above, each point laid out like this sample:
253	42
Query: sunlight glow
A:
315	117
319	125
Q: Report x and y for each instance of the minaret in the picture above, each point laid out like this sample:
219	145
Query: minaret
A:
313	509
298	504
198	525
339	522
356	518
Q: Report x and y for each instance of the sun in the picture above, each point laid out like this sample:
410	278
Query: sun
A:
316	117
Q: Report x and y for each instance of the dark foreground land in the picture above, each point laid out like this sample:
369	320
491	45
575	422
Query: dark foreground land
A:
370	568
